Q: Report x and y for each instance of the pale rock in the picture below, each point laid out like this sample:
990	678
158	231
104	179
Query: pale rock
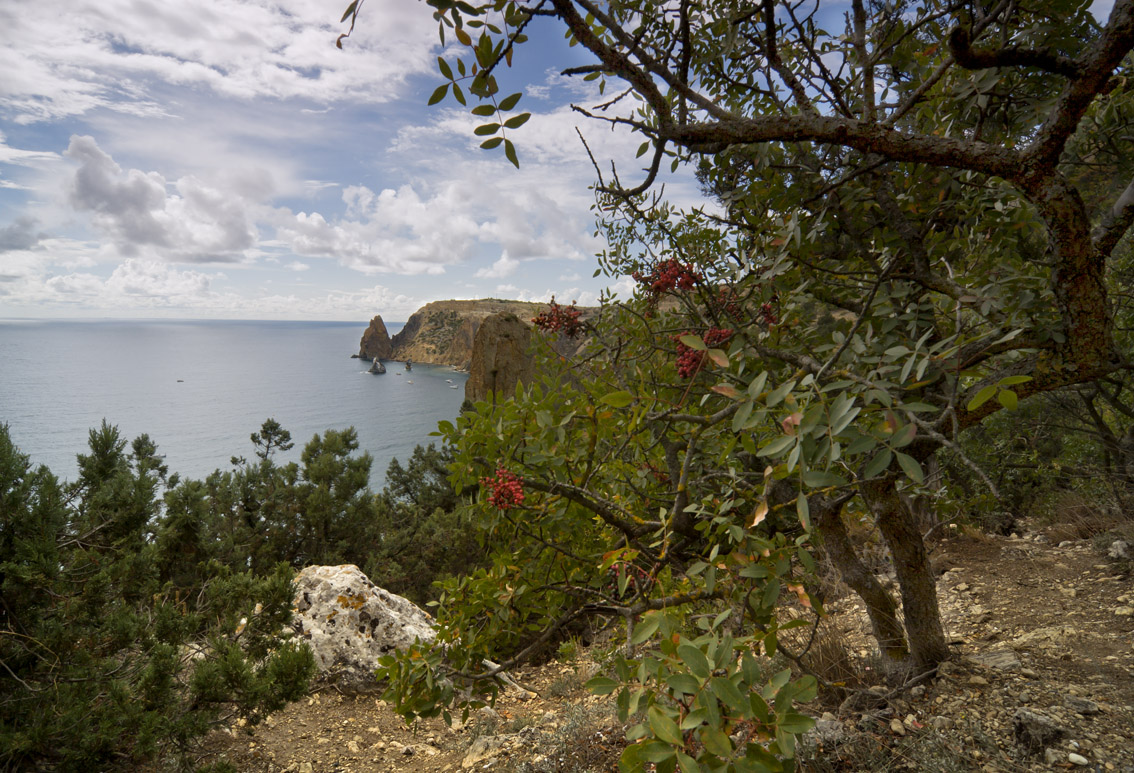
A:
349	622
1077	759
1119	550
1124	611
1034	731
896	727
483	748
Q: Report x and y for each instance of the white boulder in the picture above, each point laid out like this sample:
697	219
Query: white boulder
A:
349	622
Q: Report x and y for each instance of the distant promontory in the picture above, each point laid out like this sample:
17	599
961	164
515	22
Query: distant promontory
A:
442	332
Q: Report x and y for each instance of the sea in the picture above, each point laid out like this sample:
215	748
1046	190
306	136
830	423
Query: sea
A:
200	388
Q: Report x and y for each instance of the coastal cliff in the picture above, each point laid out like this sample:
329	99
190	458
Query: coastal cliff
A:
500	358
442	332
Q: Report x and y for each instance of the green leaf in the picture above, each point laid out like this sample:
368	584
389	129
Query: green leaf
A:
1008	399
459	95
803	510
646	627
819	478
1008	381
910	467
484	110
486	128
617	399
516	121
510	152
904	436
664	727
779	393
879	463
982	397
687	763
683	684
510	101
349	10
439	94
642	149
491	143
716	741
695	660
719	357
727	693
443	66
693	342
777	446
601	685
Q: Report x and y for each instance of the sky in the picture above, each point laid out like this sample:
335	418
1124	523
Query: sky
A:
223	159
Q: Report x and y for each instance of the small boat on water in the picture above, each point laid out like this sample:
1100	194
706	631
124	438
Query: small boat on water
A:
454	386
409	381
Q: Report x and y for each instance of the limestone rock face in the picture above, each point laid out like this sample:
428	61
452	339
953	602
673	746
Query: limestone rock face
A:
500	357
349	622
375	342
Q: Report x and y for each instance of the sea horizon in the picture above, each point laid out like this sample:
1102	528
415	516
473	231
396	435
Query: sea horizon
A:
200	387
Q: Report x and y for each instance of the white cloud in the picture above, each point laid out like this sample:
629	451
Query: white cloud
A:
133	208
502	268
295	265
117	50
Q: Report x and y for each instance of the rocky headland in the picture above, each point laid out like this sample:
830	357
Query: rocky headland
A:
443	332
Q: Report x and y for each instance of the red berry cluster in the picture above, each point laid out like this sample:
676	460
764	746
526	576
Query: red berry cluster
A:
667	275
636	578
559	319
768	314
506	489
728	304
689	360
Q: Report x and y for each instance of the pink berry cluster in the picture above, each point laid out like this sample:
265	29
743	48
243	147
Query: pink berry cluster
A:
559	319
505	490
689	361
667	275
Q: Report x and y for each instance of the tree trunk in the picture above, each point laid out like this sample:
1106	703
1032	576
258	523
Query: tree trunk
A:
880	606
911	562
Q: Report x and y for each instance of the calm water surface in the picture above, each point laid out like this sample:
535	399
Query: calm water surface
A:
200	388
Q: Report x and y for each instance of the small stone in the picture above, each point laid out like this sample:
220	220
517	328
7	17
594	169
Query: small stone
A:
1084	706
1052	756
1124	611
896	727
1066	543
978	680
1119	550
940	723
352	746
1077	759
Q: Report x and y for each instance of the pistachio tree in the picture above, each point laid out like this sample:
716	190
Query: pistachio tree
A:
913	212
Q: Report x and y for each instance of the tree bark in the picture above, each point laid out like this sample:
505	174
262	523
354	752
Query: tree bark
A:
911	563
880	607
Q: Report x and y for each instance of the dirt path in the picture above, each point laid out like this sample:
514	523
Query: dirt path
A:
1046	630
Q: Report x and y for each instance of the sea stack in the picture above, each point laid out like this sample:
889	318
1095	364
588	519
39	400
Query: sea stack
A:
500	357
375	344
